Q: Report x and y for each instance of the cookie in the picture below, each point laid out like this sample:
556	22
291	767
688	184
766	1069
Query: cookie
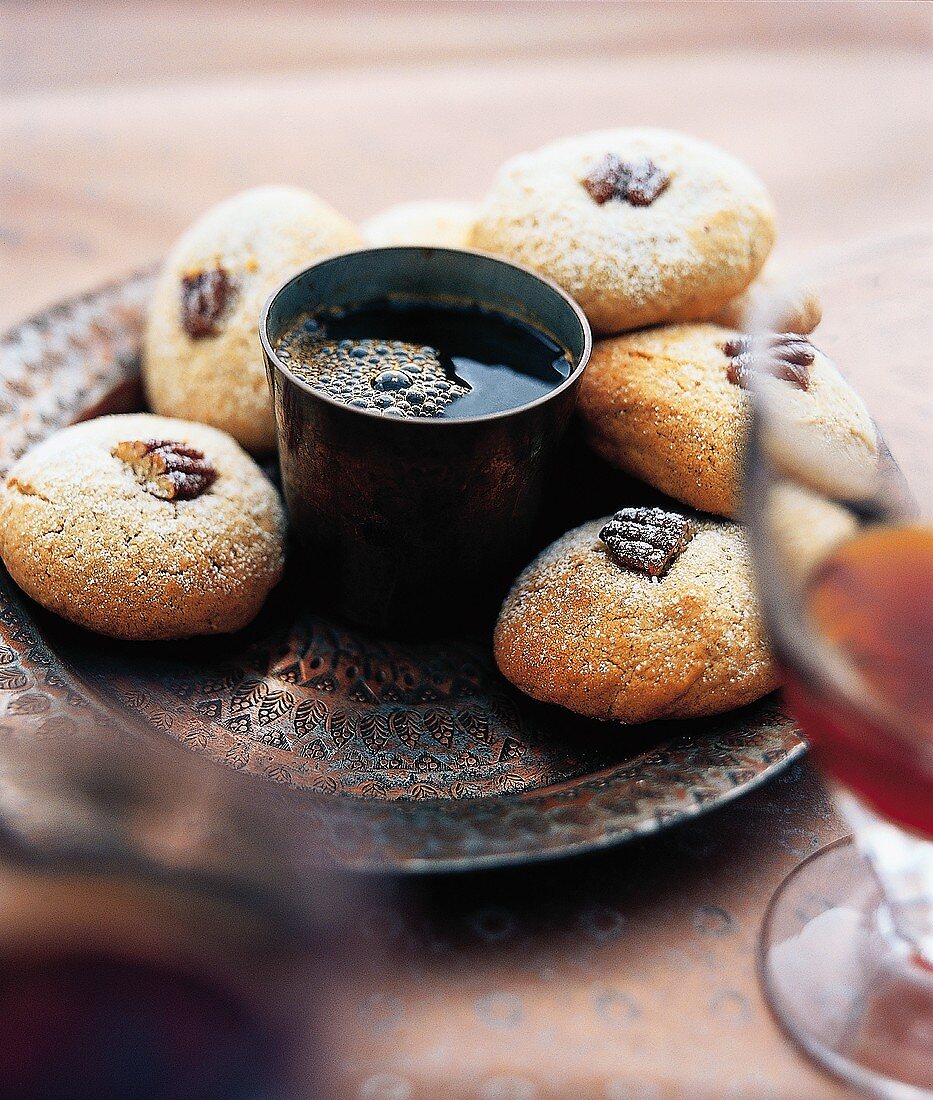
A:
640	226
201	354
588	627
669	405
774	301
441	224
143	527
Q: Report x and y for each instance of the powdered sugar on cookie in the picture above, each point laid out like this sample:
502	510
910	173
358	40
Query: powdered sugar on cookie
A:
610	643
83	537
700	241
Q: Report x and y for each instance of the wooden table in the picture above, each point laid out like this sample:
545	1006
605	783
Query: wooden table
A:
631	973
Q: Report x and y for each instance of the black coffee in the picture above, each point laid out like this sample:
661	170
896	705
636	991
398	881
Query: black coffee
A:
423	359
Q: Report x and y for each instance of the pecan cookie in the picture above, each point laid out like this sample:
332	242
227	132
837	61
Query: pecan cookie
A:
143	527
441	224
640	226
644	615
201	353
670	406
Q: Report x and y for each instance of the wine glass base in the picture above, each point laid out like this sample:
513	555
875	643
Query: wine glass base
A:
842	987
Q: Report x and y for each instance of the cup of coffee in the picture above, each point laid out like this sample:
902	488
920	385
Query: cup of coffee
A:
419	396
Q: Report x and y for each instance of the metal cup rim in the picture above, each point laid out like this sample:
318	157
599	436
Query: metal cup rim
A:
433	421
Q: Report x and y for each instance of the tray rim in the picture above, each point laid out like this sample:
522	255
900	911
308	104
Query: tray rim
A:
490	860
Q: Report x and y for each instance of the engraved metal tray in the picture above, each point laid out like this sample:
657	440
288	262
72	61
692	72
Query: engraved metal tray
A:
410	756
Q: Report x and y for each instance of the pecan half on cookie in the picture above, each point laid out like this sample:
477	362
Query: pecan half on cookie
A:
167	469
786	355
205	296
637	182
647	540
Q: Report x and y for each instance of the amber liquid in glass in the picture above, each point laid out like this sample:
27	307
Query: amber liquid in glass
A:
871	600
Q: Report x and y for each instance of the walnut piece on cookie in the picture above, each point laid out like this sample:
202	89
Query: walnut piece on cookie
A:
669	406
201	355
143	527
641	226
585	631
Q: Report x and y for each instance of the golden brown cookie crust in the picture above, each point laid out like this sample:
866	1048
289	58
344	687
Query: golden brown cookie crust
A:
684	256
580	631
84	538
659	404
437	223
257	239
774	301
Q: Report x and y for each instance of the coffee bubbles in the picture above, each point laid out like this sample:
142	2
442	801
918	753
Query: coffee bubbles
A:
421	359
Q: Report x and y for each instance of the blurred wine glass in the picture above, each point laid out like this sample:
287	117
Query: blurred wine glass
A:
844	558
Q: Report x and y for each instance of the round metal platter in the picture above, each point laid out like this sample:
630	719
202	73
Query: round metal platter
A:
408	756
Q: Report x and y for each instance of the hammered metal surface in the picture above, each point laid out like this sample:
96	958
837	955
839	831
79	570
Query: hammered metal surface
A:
407	755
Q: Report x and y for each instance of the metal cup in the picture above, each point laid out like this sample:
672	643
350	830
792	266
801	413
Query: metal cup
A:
410	523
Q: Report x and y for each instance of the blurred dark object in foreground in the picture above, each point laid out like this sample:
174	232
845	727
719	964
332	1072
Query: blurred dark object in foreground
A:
166	932
92	1026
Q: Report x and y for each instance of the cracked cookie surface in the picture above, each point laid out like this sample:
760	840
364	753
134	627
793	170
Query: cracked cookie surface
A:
84	538
580	630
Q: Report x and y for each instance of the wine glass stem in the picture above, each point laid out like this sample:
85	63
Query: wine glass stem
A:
903	866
